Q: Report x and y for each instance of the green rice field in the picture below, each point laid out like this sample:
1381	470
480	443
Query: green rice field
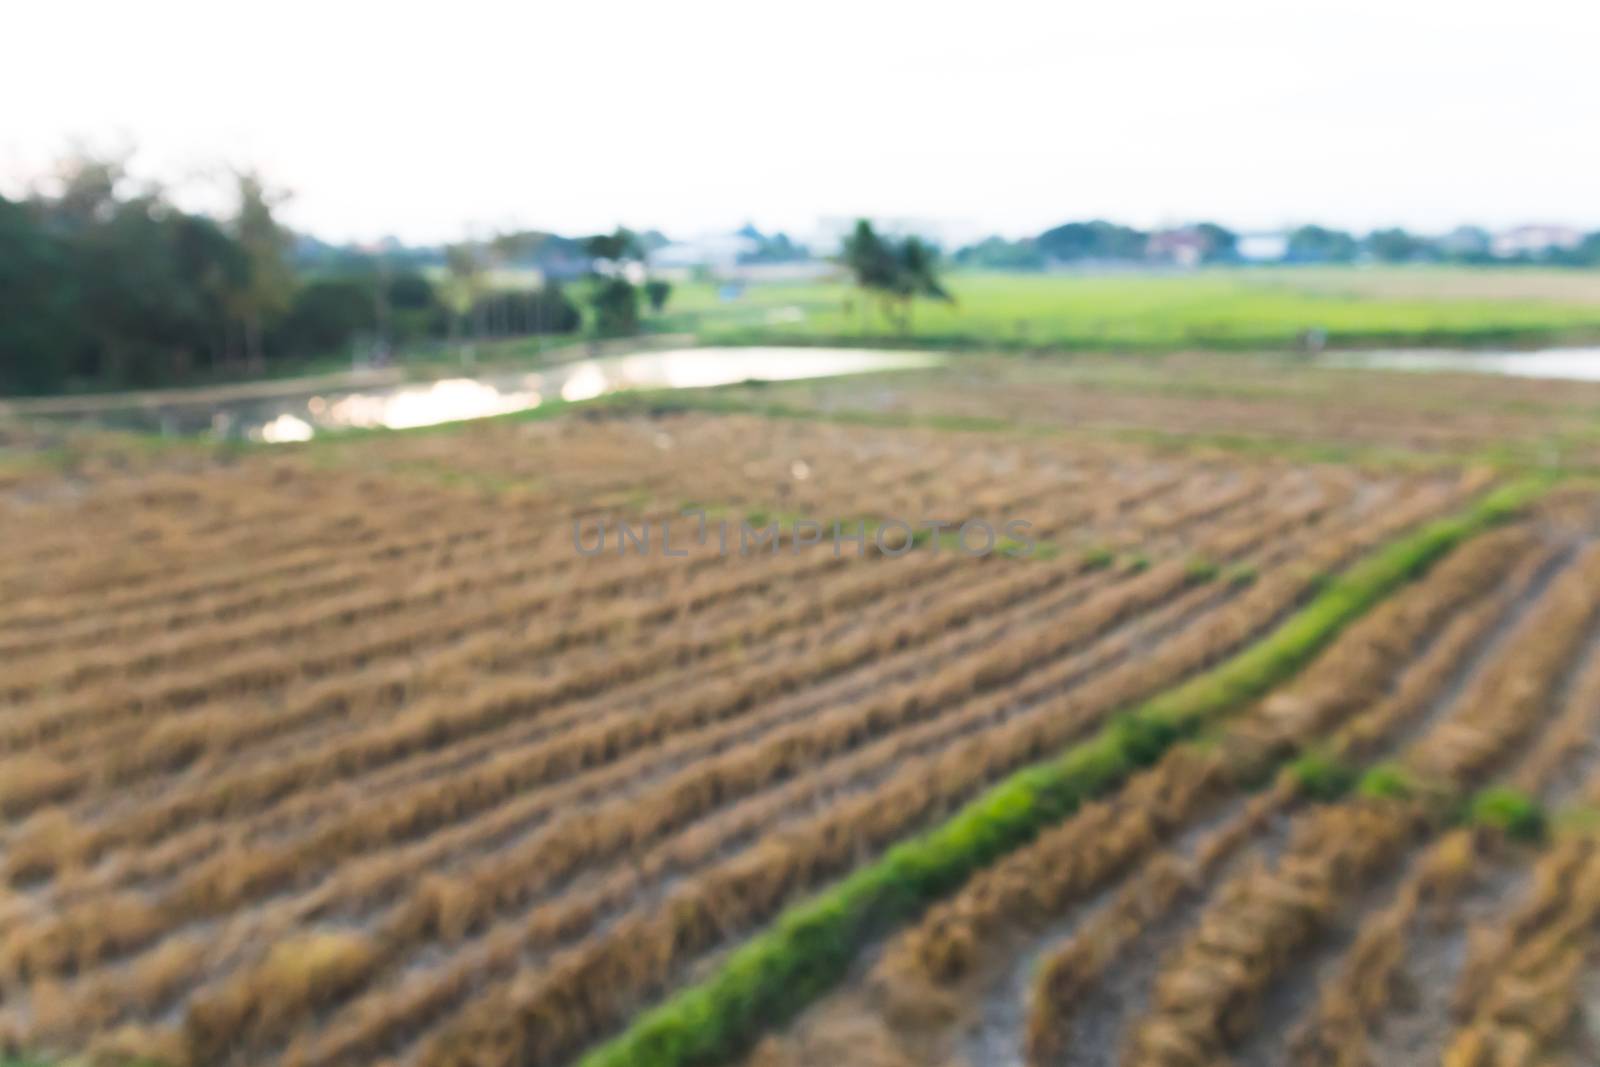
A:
1222	309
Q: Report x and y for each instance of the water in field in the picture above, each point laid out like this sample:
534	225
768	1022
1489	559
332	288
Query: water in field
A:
301	416
1574	364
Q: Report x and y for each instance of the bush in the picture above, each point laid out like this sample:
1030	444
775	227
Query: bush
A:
656	292
533	311
616	307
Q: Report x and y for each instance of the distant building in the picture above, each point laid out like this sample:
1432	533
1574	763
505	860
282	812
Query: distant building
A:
717	252
1534	240
564	266
1185	246
1262	247
803	270
722	256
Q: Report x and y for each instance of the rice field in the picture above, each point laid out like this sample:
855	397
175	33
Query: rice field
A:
1216	309
670	735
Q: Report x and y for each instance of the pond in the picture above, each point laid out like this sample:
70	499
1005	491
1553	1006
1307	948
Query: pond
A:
295	416
1575	364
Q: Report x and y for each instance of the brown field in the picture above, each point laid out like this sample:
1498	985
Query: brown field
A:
1477	284
1245	403
346	755
1190	920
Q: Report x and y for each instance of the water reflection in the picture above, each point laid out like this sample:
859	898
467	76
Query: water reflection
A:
1573	364
285	428
293	417
405	407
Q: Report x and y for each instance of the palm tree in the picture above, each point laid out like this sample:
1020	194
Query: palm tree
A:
918	276
896	274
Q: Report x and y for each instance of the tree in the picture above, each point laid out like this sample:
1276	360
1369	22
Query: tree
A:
269	285
918	275
870	261
211	267
1222	244
548	310
1586	253
326	313
1397	246
151	288
1097	240
613	297
616	307
156	287
467	279
615	248
894	273
40	309
997	253
1314	244
88	195
414	307
656	292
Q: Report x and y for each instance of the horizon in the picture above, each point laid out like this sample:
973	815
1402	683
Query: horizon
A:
818	240
1353	116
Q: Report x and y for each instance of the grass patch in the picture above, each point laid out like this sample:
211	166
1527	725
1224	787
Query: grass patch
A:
1098	558
1242	575
1509	810
1323	777
1387	781
811	945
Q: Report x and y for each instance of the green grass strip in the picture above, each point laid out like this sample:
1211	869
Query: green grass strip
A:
809	948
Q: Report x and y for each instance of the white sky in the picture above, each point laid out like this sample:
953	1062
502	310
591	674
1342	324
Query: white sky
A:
426	120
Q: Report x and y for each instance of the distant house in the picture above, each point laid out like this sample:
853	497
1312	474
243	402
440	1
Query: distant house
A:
1262	247
718	252
564	266
1184	246
1534	240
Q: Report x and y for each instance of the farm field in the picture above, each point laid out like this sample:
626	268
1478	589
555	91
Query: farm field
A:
1229	309
1332	915
1249	403
359	753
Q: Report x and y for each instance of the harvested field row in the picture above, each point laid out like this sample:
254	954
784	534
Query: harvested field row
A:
915	998
704	1020
1207	997
695	773
405	794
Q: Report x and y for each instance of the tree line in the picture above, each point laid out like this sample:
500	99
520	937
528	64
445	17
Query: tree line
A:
1099	241
106	283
